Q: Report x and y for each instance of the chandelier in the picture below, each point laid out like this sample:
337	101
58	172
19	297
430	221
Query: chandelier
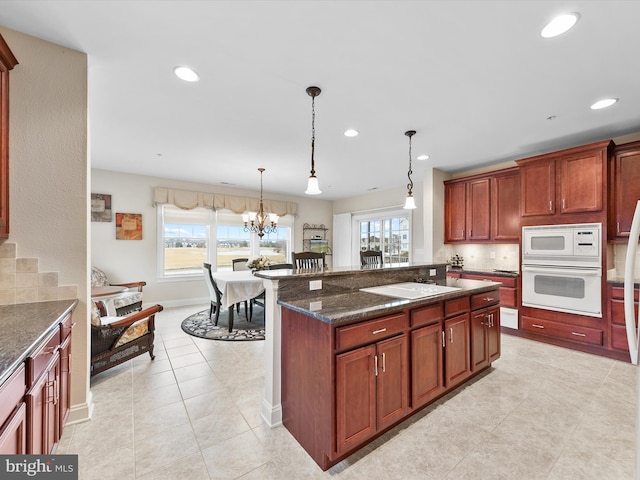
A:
255	221
410	202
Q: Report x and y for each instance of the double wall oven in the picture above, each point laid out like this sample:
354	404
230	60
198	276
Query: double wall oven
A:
562	268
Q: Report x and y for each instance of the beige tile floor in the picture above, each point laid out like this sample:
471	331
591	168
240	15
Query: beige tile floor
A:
541	412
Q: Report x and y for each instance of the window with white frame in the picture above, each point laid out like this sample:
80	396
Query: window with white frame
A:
388	232
187	238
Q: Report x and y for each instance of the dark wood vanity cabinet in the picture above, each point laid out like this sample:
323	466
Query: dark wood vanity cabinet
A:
7	62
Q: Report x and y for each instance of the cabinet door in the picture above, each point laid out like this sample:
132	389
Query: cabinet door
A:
505	213
7	62
627	189
493	334
479	339
581	183
478	204
427	369
455	217
65	382
392	381
457	349
355	397
42	410
538	188
13	437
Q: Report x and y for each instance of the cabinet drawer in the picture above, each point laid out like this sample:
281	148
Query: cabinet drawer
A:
426	315
12	393
455	307
509	297
481	300
618	293
506	281
65	328
39	360
575	333
370	331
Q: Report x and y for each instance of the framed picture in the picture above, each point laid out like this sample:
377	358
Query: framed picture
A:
101	207
128	226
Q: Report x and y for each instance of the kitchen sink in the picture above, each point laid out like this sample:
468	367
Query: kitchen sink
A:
410	290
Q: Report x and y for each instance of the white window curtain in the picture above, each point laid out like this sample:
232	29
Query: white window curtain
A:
342	240
188	200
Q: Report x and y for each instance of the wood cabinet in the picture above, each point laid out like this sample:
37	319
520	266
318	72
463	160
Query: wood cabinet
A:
509	291
13	419
616	315
624	189
483	208
7	62
372	382
485	337
345	384
565	182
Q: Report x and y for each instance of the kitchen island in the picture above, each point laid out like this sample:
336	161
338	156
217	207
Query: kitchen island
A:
345	365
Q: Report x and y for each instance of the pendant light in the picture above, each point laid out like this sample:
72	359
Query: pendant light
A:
312	187
255	221
410	202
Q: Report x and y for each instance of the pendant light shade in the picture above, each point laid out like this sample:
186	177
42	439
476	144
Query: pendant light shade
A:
410	202
313	188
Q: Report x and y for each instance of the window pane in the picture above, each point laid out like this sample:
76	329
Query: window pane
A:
275	245
185	247
233	242
390	235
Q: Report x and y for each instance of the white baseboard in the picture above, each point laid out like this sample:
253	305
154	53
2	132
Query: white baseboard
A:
81	412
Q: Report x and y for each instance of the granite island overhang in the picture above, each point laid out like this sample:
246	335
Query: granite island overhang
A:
321	333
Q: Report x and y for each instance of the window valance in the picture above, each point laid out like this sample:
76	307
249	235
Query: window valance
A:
188	199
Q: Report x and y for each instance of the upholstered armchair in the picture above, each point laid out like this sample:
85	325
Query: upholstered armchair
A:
126	302
114	340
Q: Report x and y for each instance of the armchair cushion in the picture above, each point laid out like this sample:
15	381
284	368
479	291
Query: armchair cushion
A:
128	301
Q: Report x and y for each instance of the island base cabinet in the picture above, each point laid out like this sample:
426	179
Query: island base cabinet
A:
13	436
485	337
43	410
371	390
427	369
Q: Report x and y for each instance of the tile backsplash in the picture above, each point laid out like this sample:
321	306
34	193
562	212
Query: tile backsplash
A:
619	259
22	282
482	257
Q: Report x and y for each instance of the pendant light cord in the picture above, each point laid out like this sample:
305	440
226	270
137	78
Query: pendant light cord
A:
410	184
313	134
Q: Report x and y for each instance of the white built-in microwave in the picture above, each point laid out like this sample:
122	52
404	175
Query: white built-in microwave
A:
566	245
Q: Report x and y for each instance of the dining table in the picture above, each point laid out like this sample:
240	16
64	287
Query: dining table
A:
236	287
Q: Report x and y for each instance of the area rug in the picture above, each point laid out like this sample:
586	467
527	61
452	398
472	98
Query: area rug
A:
199	325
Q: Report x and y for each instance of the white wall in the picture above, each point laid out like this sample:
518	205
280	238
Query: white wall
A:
134	260
48	176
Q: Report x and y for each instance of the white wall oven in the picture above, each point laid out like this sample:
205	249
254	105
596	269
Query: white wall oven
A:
562	268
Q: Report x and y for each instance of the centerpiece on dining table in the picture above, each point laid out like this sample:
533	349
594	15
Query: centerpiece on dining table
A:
259	263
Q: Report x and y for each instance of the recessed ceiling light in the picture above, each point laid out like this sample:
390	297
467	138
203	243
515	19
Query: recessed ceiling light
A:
607	102
422	157
351	133
559	25
186	74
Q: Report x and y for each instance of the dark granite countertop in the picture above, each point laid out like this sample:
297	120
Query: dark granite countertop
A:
497	273
341	271
357	305
23	327
619	282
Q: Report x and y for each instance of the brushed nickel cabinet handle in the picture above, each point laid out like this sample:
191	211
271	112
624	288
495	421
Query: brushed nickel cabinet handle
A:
384	363
550	205
578	334
451	335
375	332
443	340
375	365
535	325
563	204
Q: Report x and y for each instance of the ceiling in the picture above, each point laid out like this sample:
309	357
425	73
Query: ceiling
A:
474	78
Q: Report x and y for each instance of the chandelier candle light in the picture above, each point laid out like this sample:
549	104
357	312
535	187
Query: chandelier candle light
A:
410	202
255	221
312	187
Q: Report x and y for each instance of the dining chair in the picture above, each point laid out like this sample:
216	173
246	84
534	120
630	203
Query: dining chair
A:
371	257
216	295
308	260
280	266
240	264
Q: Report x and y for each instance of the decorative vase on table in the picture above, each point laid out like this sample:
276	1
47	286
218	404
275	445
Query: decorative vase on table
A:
259	263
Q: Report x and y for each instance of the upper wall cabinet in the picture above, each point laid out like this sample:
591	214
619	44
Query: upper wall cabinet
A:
624	189
7	62
570	181
483	208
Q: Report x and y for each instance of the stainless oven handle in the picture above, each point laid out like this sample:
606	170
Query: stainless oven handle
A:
585	272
